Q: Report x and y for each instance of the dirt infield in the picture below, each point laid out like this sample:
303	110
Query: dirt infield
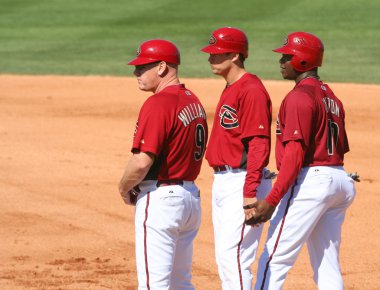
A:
64	142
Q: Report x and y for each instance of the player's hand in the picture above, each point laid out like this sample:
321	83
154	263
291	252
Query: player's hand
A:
130	197
264	211
249	211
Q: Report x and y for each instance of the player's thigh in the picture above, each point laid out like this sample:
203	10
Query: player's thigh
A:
228	213
231	217
326	235
296	216
182	262
157	223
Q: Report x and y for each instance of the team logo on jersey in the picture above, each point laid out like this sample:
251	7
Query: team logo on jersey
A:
228	117
278	129
212	40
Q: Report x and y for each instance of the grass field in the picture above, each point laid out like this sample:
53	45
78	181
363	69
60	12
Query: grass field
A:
97	37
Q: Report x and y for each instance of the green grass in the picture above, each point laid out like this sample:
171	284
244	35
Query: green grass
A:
98	37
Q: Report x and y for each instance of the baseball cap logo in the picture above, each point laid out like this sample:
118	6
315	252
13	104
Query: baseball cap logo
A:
298	40
212	40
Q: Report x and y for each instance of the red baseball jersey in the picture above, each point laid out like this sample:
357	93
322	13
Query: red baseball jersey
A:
312	114
172	125
244	110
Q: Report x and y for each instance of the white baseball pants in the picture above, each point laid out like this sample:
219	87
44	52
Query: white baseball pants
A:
312	211
167	220
235	243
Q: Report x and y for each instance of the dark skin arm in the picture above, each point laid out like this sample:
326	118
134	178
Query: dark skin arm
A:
264	211
290	167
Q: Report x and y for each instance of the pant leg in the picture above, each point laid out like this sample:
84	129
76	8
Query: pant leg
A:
290	227
324	242
183	257
235	243
217	226
158	218
323	246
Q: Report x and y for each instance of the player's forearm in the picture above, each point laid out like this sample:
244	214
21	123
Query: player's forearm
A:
257	159
291	165
137	168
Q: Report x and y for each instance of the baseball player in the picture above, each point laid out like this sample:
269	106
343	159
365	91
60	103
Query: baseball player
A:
238	151
168	147
312	192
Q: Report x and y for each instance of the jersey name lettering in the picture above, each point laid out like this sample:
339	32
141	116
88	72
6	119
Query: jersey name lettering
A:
190	113
331	106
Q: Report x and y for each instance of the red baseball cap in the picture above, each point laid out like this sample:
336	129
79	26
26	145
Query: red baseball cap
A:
156	50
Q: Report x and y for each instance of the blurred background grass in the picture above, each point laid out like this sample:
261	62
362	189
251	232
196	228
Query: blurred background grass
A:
98	37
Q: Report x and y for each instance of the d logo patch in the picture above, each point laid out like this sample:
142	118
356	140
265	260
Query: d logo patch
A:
228	117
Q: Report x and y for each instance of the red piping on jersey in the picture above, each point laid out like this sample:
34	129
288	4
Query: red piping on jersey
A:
279	235
145	247
238	256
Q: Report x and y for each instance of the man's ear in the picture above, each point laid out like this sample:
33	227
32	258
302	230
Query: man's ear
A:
235	56
162	68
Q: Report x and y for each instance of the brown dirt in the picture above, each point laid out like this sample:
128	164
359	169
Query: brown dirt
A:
64	142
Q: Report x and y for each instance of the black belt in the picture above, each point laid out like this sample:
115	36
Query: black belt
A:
222	168
169	182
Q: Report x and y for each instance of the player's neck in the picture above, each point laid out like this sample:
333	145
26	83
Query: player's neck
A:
307	75
166	82
234	75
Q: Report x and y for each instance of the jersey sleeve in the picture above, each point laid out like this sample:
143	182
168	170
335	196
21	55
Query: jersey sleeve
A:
255	113
150	133
299	117
290	168
258	157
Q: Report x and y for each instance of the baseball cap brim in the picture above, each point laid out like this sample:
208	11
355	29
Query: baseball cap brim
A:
283	50
214	49
141	61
